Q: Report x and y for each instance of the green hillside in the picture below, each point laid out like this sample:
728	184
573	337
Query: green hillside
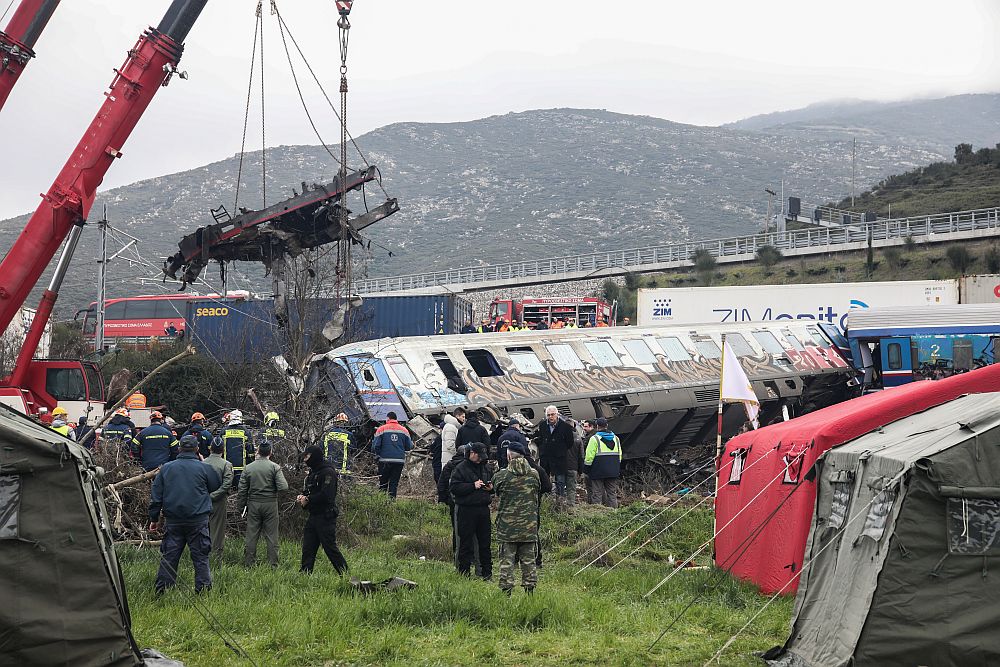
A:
971	181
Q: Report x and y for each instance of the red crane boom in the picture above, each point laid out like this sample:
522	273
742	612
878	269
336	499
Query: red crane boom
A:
17	42
149	65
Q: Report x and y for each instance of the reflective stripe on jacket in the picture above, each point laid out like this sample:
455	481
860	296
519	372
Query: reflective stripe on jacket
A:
238	448
604	456
392	441
337	444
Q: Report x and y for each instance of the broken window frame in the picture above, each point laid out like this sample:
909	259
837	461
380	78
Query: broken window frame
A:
768	342
402	370
481	359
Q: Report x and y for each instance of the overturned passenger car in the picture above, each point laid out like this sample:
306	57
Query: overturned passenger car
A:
657	386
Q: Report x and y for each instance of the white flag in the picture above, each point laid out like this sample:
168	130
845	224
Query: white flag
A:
735	387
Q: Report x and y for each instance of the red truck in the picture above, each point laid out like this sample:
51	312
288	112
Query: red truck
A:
530	311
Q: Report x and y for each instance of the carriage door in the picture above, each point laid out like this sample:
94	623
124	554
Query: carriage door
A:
897	362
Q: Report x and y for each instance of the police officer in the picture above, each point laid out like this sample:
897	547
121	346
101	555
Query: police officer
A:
182	491
319	499
260	485
471	490
338	444
238	446
155	444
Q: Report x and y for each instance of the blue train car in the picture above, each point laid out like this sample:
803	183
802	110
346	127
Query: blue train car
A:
894	346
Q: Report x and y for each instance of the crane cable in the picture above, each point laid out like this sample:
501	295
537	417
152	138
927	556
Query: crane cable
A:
258	28
344	245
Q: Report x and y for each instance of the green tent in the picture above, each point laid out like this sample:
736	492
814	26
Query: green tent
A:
62	597
904	551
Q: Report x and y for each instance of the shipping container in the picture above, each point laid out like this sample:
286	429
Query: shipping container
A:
243	332
824	302
980	289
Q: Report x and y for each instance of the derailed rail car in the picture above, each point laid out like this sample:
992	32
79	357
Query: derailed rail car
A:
657	386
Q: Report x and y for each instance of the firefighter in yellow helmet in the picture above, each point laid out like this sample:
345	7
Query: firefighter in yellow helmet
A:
273	432
338	444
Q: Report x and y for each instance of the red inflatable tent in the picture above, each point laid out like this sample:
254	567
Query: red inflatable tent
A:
760	469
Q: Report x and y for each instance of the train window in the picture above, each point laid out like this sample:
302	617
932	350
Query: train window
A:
793	341
640	351
674	349
483	363
603	353
707	348
114	311
565	357
402	370
141	309
451	374
894	354
739	345
525	360
817	337
65	384
768	342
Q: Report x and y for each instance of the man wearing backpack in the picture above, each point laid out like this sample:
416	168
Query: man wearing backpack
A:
603	463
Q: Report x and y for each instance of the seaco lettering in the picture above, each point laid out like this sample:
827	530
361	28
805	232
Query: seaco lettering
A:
211	312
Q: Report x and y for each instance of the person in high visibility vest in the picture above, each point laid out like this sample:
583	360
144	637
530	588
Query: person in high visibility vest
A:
59	423
273	432
239	446
136	400
338	444
603	463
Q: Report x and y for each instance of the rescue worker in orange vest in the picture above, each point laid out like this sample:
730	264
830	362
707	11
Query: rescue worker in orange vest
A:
136	400
603	323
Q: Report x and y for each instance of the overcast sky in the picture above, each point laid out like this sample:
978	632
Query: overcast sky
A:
704	62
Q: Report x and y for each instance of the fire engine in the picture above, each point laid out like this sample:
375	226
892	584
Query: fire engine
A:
582	310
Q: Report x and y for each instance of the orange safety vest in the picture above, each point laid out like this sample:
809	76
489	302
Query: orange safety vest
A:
136	400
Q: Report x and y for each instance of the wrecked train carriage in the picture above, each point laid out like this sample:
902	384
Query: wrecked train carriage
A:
657	386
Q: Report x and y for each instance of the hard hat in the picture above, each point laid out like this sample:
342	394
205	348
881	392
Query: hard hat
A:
122	411
341	417
59	411
156	414
235	417
196	416
272	417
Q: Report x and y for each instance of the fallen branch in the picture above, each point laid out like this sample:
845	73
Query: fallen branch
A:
108	414
132	480
140	543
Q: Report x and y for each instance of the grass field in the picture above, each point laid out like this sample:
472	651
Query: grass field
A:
284	618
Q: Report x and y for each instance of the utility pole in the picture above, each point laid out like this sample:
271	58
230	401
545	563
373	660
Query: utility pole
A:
770	199
854	168
102	276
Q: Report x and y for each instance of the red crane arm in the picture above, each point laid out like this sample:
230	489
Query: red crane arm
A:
148	66
18	41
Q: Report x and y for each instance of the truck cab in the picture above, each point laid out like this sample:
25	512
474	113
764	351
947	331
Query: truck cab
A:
76	386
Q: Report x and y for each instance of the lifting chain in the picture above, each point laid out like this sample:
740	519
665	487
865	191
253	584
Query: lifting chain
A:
344	249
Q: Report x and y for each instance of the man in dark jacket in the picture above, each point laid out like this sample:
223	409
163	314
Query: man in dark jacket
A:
319	498
338	444
198	430
82	432
444	494
238	444
155	444
390	444
555	440
471	431
511	434
471	490
182	491
574	463
117	434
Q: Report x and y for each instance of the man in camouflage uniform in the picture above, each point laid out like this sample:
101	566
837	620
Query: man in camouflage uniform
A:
519	489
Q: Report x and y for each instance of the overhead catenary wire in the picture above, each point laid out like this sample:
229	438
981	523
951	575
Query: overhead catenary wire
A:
714	494
246	117
646	523
805	565
718	532
722	575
